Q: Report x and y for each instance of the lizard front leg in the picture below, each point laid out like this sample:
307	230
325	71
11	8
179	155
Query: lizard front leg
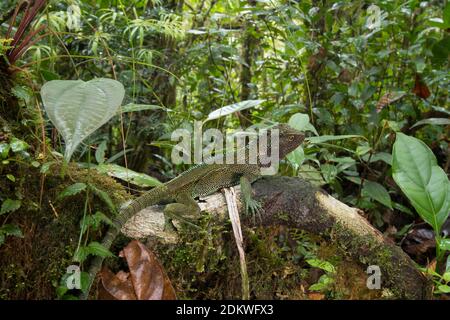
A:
252	207
184	209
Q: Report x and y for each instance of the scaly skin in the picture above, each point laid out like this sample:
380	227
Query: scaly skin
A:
200	180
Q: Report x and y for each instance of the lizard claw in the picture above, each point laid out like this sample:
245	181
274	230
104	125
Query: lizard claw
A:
253	208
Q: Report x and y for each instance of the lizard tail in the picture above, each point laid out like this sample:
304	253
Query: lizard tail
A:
149	198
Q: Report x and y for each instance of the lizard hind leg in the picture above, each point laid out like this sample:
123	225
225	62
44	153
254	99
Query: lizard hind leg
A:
252	207
185	209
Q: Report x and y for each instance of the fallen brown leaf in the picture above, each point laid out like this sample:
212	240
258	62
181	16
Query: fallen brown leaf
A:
145	281
316	296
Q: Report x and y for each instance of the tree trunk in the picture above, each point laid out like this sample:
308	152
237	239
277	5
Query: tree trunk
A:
249	45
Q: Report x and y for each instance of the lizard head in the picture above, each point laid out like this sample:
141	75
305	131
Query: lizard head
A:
289	140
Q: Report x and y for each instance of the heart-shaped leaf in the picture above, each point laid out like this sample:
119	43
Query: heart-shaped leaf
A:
78	108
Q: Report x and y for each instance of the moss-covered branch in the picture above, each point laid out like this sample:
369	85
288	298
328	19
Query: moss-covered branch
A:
296	203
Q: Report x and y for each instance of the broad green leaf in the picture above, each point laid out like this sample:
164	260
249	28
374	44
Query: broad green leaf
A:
98	218
395	125
356	180
442	23
48	75
224	111
446	276
61	290
444	244
93	248
4	149
97	249
310	173
377	192
11	230
84	281
18	145
81	254
362	150
329	172
324	265
9	205
300	121
443	288
441	50
447	15
415	170
72	190
322	139
139	179
436	22
100	152
402	208
119	154
77	108
194	31
45	167
441	109
94	221
22	93
323	284
296	157
433	121
104	197
133	107
379	156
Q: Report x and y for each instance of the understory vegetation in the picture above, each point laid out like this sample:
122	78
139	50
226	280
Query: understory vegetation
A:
366	81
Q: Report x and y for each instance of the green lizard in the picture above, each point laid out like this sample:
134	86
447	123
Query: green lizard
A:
200	180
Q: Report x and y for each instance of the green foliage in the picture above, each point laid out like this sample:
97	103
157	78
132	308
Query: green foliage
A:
9	230
235	107
133	107
18	145
78	108
377	192
4	46
326	280
93	248
72	190
349	81
94	221
64	293
9	205
415	170
441	282
137	178
103	196
433	121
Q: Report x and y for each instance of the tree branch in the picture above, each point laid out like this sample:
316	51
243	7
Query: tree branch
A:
296	203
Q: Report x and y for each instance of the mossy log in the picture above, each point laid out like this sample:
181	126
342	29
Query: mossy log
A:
296	203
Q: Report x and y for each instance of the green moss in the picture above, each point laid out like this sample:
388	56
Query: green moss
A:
50	231
283	216
276	263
